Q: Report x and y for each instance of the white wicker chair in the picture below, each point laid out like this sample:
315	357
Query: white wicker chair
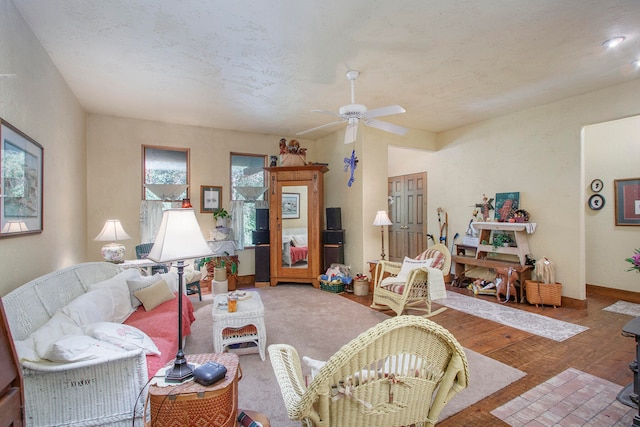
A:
415	293
402	371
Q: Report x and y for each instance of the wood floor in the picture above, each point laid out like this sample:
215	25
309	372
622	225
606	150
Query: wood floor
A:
601	350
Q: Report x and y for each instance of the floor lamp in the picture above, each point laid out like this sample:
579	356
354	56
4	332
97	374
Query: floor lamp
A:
382	219
179	238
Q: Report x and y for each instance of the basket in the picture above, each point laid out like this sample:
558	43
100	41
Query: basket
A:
543	293
335	286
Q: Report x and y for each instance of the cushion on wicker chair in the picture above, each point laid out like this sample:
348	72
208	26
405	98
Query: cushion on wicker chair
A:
435	255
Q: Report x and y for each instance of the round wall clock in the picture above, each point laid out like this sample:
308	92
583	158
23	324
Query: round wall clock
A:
596	185
596	202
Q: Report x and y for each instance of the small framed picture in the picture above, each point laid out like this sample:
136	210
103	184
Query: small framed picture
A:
290	205
210	198
627	192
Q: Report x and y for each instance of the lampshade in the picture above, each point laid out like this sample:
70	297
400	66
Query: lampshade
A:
14	227
112	232
179	237
382	219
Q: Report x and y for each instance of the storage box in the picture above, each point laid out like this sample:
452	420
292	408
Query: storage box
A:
470	241
361	287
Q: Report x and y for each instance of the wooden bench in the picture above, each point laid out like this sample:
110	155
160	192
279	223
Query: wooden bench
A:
524	271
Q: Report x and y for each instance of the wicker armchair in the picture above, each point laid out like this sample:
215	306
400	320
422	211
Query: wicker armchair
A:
401	372
414	293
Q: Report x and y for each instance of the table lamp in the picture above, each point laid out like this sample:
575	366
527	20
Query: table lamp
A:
382	219
179	238
113	232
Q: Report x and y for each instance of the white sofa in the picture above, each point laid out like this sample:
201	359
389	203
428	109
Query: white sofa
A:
108	390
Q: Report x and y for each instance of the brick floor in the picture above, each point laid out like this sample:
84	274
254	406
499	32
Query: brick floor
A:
571	398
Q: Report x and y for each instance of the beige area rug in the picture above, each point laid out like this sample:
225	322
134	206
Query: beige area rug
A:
317	324
624	307
571	398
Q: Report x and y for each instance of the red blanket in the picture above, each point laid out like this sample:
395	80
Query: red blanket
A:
298	253
161	324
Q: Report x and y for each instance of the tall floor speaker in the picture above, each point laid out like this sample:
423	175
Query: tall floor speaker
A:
262	264
333	254
262	219
334	219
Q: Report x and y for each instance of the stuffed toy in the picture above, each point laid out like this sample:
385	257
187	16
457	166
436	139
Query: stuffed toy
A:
506	278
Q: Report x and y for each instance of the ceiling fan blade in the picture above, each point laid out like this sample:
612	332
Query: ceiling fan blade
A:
331	113
385	111
351	132
387	127
319	127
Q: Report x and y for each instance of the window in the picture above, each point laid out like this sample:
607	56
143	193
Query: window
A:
168	167
248	184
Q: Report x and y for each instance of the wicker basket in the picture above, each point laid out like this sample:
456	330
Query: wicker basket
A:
543	293
335	286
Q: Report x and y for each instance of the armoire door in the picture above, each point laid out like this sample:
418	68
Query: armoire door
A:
408	213
296	218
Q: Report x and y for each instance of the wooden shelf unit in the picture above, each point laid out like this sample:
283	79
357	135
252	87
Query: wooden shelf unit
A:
519	231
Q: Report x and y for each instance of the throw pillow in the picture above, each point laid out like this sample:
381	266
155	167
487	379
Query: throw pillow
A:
314	364
73	348
436	255
155	295
124	336
58	326
299	240
410	264
95	306
117	286
145	281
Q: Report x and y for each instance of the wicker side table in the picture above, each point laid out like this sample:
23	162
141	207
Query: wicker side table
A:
244	325
191	404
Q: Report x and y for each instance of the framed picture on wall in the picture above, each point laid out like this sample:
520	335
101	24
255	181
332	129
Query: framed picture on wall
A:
290	205
506	205
21	183
210	198
627	192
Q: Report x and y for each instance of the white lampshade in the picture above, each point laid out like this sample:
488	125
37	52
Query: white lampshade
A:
14	227
382	219
112	232
179	237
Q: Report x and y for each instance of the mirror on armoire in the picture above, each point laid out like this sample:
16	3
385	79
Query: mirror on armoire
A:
295	227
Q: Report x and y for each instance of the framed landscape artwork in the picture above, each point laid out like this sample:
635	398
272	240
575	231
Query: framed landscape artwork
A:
627	192
290	205
21	182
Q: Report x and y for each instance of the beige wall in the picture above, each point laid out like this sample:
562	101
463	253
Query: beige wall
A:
38	102
114	162
611	151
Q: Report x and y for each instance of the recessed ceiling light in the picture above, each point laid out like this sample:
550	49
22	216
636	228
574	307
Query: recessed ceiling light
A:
613	42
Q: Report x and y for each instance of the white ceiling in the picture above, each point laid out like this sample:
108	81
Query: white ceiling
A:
263	65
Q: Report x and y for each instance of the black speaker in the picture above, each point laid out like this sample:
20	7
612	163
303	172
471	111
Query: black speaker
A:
262	219
260	237
333	237
263	263
333	254
334	219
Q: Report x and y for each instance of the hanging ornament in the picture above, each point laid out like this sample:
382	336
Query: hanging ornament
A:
350	163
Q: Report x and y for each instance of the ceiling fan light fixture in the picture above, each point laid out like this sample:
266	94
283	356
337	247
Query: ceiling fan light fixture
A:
613	42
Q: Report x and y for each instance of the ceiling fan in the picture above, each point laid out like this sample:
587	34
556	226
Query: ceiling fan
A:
353	113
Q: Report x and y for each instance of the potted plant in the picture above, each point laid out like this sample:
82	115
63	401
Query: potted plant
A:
220	216
500	239
215	268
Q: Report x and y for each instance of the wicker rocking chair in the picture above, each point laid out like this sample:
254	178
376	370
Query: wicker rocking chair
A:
401	372
414	293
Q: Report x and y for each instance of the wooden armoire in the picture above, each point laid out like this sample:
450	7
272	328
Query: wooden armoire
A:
296	200
11	384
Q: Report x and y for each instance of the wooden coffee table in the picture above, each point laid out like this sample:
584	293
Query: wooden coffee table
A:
246	325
